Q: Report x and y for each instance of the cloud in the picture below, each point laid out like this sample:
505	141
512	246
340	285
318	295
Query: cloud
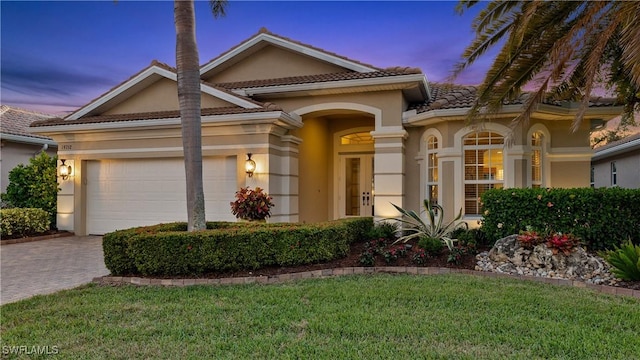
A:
39	81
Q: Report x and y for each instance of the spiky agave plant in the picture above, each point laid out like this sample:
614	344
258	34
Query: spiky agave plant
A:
434	227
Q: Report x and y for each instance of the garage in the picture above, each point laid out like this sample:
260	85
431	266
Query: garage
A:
124	193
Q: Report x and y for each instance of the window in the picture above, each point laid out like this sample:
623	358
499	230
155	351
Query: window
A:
359	138
483	167
614	174
432	169
536	160
592	181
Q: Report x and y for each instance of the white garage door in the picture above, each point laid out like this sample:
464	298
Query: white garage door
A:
126	193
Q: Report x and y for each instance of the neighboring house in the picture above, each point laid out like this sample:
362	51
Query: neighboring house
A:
18	144
331	137
617	164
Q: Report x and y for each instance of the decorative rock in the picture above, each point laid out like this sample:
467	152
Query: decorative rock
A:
504	248
508	256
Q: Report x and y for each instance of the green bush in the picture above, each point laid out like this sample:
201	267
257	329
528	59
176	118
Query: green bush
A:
19	222
34	186
431	245
601	218
168	250
625	261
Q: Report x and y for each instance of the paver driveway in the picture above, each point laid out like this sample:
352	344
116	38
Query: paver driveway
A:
47	266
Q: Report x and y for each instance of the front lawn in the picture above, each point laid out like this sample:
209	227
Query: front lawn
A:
351	317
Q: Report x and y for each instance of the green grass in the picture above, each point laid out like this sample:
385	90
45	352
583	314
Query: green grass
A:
354	317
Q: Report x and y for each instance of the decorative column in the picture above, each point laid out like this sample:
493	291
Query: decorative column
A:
388	170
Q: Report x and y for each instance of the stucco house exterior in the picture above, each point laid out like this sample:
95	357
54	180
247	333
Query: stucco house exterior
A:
18	145
331	137
617	164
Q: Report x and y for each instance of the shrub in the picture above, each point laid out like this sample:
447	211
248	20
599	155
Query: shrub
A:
19	222
251	204
34	186
431	246
384	229
420	257
168	250
625	261
602	218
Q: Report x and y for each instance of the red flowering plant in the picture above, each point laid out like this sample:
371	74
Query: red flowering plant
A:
252	204
562	242
529	238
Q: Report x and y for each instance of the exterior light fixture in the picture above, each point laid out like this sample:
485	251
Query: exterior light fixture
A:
249	165
65	170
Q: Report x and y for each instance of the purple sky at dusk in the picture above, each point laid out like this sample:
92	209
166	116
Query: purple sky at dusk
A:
57	56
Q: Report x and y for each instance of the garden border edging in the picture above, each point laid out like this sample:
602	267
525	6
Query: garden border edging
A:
325	273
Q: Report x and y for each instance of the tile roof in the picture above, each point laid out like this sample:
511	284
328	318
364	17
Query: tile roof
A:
152	115
614	144
16	121
341	76
264	30
451	96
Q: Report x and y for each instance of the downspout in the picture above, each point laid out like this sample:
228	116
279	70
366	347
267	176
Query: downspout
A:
44	148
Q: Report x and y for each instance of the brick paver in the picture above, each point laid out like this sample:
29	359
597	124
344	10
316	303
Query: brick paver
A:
47	266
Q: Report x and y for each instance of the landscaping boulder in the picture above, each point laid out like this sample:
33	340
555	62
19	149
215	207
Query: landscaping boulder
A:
509	256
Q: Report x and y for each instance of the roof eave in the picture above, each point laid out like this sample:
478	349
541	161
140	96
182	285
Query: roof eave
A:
266	91
24	139
546	111
274	40
279	117
617	150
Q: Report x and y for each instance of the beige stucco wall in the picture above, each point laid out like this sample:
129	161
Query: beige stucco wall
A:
317	161
273	62
160	96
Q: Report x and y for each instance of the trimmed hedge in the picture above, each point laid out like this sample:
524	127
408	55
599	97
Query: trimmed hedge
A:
602	218
169	250
20	222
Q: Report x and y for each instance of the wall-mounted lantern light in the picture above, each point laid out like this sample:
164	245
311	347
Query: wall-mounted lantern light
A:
64	170
249	165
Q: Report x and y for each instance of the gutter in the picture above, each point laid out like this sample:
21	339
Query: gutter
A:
28	139
616	150
281	117
390	80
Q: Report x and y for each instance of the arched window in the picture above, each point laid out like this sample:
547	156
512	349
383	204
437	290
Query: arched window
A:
432	169
358	138
536	159
483	167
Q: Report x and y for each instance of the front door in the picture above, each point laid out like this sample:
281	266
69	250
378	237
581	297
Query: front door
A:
356	185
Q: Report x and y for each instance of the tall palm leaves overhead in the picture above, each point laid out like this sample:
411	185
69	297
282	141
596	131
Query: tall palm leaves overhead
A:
563	49
188	69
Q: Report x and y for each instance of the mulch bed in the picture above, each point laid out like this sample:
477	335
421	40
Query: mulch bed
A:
51	234
353	260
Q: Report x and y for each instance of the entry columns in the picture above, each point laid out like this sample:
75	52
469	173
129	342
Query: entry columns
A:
388	171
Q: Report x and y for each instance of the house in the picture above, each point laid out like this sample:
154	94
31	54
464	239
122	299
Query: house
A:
17	143
617	164
331	137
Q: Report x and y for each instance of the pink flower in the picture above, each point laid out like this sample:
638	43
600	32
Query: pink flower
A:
549	204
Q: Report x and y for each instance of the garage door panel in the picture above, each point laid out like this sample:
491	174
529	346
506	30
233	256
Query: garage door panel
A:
126	193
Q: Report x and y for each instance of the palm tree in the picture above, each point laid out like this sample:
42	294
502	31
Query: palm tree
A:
564	48
188	67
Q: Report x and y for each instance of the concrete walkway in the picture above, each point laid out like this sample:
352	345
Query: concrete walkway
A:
47	266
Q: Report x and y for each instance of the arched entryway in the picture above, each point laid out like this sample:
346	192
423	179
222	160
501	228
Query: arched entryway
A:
336	159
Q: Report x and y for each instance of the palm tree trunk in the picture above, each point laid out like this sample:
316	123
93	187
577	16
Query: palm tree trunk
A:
188	66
